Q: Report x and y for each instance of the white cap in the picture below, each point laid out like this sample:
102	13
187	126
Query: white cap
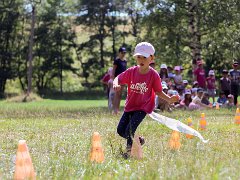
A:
163	66
164	82
164	86
185	81
170	91
211	72
144	49
188	92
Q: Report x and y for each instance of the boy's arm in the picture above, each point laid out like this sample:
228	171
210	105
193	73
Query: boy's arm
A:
172	99
116	85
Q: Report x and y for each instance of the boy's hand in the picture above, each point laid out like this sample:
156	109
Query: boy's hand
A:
174	98
116	87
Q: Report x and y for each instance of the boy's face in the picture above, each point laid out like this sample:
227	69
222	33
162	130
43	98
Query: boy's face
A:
224	74
144	62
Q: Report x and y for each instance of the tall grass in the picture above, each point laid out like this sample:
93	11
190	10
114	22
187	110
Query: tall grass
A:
58	136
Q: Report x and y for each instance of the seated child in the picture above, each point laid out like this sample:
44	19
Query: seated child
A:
194	92
181	93
205	99
196	102
186	100
164	89
230	101
222	98
161	103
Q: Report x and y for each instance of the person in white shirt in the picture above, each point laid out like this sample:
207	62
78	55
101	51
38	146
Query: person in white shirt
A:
196	102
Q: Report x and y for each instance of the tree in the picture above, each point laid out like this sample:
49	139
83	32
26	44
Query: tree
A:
194	29
94	14
166	27
9	17
30	53
220	32
53	46
101	18
188	30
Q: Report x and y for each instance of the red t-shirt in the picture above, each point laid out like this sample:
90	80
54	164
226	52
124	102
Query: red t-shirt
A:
211	83
141	89
200	74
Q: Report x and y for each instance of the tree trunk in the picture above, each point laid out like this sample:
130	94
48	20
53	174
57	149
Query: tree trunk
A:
20	56
194	30
113	37
61	71
101	50
101	38
60	57
30	53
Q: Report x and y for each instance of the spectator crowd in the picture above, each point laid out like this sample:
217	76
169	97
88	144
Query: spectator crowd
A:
201	91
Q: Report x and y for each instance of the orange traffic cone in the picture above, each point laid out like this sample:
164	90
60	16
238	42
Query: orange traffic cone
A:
174	142
217	106
24	167
96	153
136	150
237	116
190	124
203	122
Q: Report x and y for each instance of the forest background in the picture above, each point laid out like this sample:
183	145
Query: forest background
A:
68	45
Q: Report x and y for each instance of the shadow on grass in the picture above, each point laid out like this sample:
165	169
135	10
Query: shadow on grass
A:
79	95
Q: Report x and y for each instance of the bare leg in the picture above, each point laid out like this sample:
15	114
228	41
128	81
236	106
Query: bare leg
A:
117	100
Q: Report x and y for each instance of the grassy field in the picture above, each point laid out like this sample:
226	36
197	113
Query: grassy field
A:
58	135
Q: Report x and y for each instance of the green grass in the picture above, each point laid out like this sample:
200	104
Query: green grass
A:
58	135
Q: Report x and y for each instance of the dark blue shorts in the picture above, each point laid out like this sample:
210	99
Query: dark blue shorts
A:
128	124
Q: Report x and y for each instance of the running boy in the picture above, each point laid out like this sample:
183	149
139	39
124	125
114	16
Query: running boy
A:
143	82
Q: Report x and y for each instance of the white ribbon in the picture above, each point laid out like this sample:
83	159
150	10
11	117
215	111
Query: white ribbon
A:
176	125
